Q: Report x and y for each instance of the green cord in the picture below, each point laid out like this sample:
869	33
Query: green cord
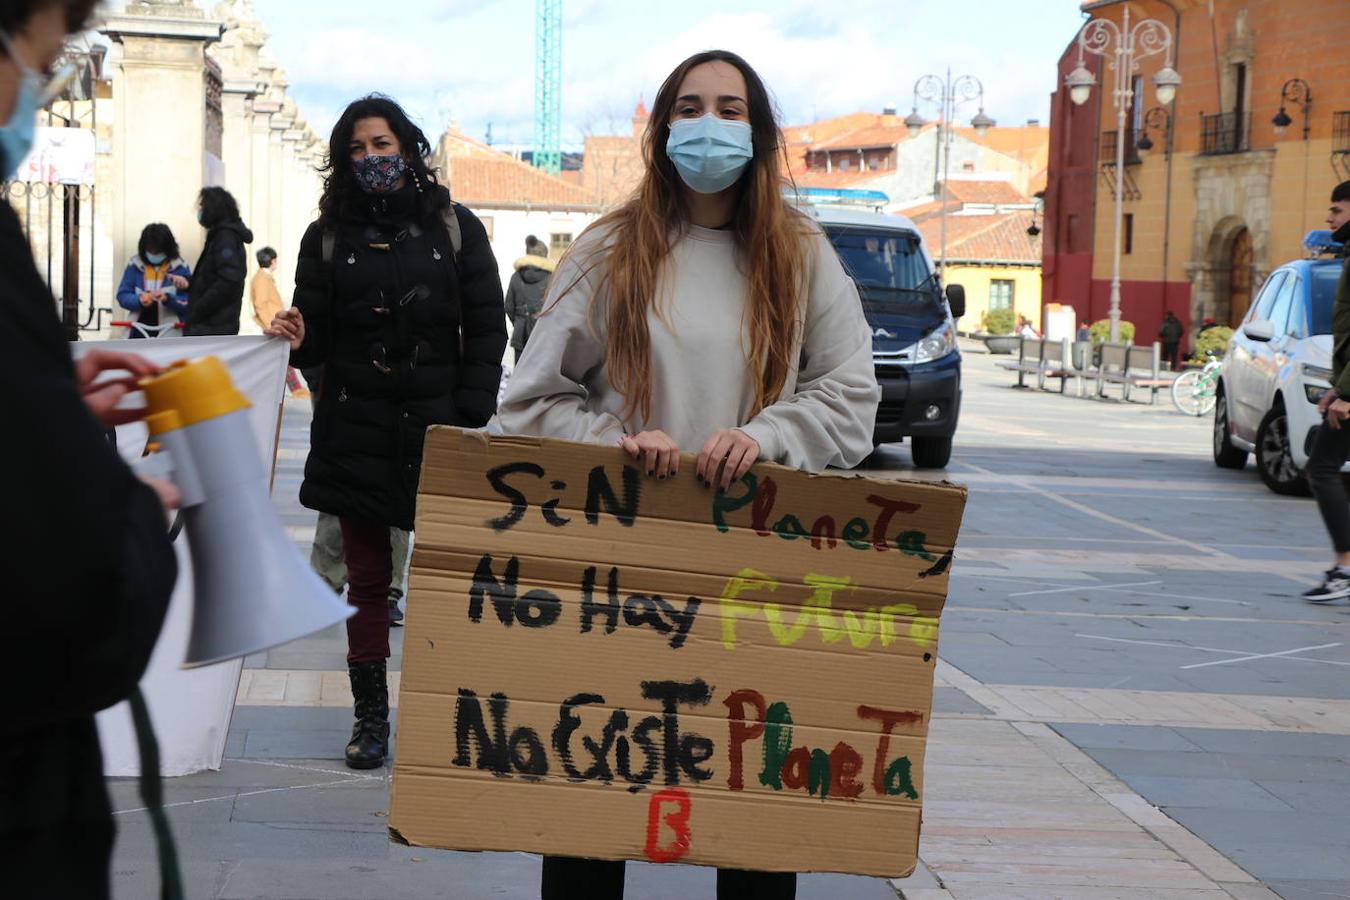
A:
152	795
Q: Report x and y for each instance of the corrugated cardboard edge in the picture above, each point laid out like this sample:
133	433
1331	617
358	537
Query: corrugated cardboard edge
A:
481	441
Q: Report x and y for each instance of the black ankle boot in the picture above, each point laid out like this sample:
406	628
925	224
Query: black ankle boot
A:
370	734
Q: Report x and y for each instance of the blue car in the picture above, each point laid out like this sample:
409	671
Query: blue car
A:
1277	367
913	329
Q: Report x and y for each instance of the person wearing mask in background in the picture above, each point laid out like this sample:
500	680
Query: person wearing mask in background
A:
1170	334
148	290
88	560
218	286
397	296
525	293
267	303
1331	445
749	290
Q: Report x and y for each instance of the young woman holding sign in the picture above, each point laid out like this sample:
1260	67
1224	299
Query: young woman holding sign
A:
705	314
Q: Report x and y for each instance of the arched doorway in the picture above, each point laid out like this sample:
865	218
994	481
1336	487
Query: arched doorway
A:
1239	277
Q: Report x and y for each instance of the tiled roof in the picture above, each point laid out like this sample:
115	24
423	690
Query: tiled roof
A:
885	134
1028	144
990	191
485	181
1001	237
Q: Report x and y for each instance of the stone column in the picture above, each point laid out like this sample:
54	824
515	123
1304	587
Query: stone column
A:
160	139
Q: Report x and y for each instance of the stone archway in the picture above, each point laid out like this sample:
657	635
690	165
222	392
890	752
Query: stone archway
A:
1222	285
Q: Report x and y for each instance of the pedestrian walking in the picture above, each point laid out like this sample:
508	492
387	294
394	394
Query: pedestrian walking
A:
525	293
398	298
218	286
89	566
1171	333
149	286
1331	446
267	303
678	322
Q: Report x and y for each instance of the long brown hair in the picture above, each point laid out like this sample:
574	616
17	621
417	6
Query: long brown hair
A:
770	235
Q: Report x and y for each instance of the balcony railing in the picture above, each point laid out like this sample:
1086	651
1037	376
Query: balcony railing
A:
1340	132
1225	133
1108	157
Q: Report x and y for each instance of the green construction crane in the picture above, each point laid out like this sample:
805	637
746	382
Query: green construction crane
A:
548	86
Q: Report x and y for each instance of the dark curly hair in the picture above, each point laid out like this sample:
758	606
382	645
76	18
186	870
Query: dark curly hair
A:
14	14
341	192
218	206
157	236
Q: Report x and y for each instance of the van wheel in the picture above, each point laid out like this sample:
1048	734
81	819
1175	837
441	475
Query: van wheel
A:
930	452
1274	459
1226	456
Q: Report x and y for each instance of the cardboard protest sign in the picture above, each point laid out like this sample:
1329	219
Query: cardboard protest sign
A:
600	664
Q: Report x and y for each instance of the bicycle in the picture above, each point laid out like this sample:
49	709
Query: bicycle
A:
149	331
1194	391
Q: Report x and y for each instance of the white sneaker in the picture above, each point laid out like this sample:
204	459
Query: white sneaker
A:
1335	585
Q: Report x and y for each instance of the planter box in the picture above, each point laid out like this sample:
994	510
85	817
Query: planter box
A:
1002	343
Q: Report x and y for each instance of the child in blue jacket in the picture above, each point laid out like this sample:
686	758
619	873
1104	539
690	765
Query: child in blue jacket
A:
154	284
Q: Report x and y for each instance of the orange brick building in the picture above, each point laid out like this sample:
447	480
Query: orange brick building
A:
1221	198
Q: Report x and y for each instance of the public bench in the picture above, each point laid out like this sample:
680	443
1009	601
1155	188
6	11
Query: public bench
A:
1131	366
1043	358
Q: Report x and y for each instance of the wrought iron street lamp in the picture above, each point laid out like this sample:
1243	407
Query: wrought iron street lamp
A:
1294	93
948	94
1123	47
1156	119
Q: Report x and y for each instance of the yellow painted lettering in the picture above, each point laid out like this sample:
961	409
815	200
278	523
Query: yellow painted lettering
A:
888	616
730	608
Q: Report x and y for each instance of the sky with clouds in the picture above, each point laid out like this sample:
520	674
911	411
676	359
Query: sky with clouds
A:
473	60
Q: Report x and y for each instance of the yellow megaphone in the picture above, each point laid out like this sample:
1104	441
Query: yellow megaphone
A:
252	589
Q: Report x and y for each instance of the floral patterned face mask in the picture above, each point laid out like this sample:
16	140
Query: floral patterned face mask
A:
379	174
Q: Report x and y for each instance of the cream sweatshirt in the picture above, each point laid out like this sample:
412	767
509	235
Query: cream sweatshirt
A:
701	377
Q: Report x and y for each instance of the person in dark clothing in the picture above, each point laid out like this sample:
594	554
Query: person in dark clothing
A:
218	286
397	297
86	540
525	293
1331	446
1171	333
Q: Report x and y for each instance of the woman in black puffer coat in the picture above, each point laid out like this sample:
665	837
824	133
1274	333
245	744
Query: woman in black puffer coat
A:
410	332
218	284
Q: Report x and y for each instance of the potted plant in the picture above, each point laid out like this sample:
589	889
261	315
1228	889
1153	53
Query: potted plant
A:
998	328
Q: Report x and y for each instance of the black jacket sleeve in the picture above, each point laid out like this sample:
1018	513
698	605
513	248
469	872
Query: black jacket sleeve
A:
90	565
314	299
229	268
482	323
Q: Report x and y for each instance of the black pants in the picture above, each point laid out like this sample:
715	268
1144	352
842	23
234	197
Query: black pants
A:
1171	354
566	878
1329	451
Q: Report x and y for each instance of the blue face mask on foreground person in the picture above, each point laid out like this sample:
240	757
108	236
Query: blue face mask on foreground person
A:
17	135
710	153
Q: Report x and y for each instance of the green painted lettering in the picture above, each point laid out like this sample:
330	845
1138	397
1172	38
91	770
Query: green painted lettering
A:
777	744
856	532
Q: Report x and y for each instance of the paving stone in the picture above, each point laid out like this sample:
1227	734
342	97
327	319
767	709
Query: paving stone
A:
1209	793
1330	746
1310	890
1125	737
951	700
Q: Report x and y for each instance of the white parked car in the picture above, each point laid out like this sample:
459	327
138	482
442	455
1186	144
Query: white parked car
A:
1277	367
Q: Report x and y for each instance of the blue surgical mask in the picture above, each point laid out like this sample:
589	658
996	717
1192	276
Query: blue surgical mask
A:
17	135
155	259
710	153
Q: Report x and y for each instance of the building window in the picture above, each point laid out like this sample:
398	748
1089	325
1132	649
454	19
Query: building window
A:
1000	294
1127	233
487	225
968	166
559	241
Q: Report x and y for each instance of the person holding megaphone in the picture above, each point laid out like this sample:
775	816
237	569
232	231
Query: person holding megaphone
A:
85	611
397	296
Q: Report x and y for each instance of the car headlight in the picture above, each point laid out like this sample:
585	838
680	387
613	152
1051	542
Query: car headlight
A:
936	345
1316	382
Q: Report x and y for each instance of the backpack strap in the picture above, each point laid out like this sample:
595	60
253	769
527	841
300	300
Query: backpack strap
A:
452	226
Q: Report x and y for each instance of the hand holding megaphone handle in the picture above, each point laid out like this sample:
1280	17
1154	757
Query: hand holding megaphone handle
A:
175	467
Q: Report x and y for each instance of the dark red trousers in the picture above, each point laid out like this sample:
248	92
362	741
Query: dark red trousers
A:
369	573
